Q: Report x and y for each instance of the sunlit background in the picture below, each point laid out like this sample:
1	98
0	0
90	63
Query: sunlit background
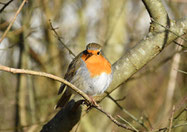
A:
27	102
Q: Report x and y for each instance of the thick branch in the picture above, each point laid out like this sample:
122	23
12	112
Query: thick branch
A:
156	11
143	53
63	120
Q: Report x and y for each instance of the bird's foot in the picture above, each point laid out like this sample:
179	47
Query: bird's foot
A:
91	104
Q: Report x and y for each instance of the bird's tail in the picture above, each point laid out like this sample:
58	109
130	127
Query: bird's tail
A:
64	99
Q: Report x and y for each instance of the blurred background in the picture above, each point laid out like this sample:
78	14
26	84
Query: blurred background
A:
146	100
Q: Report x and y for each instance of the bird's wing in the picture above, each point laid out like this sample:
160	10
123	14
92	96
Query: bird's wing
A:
73	67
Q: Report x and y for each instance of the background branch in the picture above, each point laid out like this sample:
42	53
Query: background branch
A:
12	21
79	23
43	74
143	52
5	5
58	37
64	116
156	11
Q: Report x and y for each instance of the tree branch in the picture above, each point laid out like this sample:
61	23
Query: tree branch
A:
63	116
58	37
144	52
134	59
13	20
149	47
156	11
128	113
114	120
43	74
5	5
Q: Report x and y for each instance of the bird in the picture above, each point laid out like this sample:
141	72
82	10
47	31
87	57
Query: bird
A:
90	71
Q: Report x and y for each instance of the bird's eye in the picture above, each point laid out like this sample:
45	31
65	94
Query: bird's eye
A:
98	53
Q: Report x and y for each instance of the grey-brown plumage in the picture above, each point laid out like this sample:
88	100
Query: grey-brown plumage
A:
74	65
89	71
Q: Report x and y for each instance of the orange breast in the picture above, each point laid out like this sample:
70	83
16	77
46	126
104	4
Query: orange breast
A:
97	64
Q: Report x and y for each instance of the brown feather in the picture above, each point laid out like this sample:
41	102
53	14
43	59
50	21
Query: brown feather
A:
64	99
74	65
61	89
91	49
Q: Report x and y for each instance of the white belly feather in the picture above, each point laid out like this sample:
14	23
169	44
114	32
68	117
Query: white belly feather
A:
89	85
98	84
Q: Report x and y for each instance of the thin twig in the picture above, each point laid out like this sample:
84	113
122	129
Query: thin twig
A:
113	119
181	71
171	119
151	70
166	128
43	74
185	109
180	45
178	125
5	5
121	99
59	38
129	114
148	120
128	123
13	20
168	29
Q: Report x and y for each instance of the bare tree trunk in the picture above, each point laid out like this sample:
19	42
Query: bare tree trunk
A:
17	108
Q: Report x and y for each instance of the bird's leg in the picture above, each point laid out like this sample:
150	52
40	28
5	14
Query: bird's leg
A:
93	102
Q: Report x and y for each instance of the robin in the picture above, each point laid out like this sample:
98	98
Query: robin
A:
89	71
